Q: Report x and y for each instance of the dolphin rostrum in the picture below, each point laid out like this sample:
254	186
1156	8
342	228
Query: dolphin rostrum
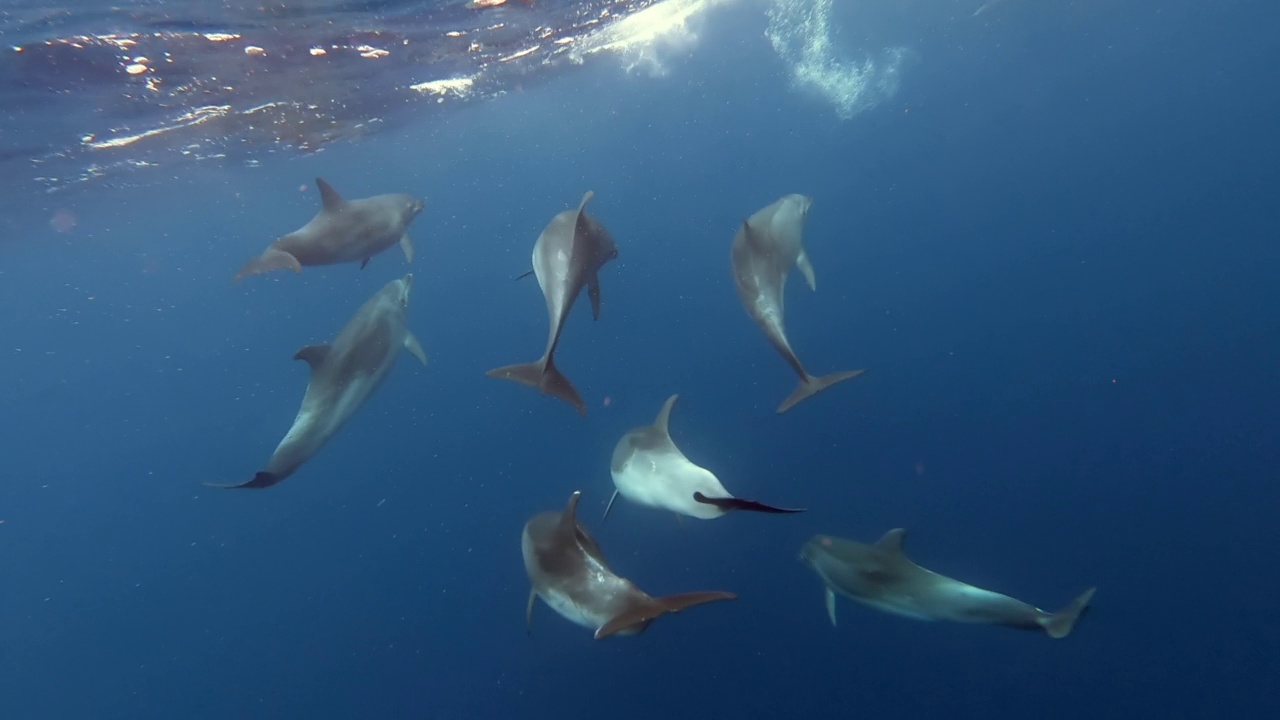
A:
343	231
882	576
343	375
649	469
566	258
765	248
570	574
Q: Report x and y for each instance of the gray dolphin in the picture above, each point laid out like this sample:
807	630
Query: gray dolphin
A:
765	248
343	231
570	574
343	375
648	469
882	576
566	258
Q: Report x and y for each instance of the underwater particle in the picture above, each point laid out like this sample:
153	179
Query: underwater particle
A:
919	468
302	187
254	50
136	69
63	221
607	401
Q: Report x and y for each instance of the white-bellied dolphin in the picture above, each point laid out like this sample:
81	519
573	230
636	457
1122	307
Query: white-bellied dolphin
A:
570	574
765	248
566	258
882	576
343	375
343	231
648	469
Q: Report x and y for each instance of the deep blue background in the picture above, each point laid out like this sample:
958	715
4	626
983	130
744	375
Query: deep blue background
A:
1054	251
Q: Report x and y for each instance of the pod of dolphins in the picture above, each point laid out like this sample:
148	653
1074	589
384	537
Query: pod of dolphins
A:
565	565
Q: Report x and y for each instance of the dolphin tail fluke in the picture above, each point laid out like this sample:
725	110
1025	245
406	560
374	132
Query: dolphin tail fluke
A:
733	503
644	612
269	261
544	375
1060	624
554	383
260	480
814	385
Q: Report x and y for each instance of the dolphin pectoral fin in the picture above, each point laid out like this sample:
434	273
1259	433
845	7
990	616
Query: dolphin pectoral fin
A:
831	606
528	612
1060	624
313	354
733	503
593	292
363	263
544	375
814	385
642	612
806	269
269	261
260	480
609	507
415	348
406	245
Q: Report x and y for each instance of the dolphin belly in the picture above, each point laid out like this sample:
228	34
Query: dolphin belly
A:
668	483
569	608
902	606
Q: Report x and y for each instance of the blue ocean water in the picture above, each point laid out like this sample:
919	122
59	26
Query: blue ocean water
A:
1051	242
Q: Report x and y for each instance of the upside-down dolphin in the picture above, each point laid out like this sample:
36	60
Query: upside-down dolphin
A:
567	257
882	576
570	574
765	248
343	231
648	469
343	375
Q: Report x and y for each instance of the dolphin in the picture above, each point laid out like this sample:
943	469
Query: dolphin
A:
570	574
650	470
566	258
343	375
343	231
882	576
765	248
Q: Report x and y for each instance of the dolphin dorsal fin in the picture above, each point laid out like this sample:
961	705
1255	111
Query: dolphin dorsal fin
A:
329	198
569	518
581	227
663	422
891	542
313	354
